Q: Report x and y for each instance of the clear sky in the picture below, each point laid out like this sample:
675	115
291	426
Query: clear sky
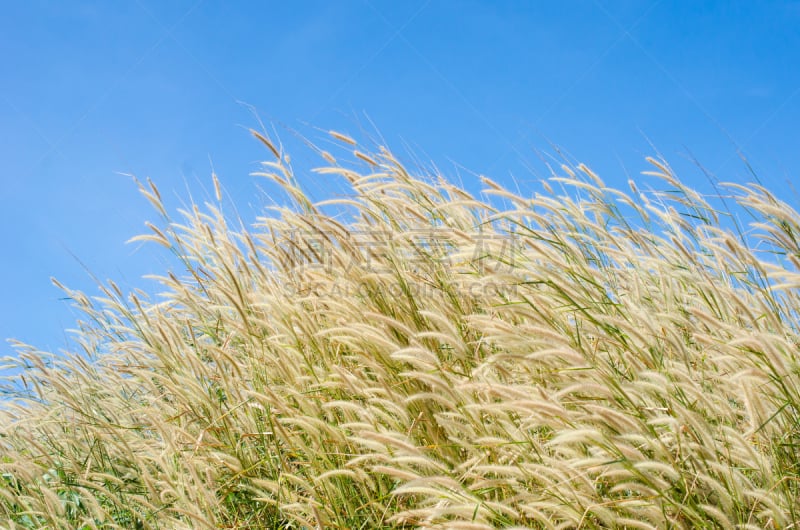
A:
165	89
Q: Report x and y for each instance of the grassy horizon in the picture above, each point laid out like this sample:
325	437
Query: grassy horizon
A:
585	357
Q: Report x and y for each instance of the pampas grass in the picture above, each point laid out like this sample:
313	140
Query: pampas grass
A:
587	358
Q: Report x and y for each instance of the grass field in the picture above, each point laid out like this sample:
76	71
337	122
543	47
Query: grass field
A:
585	357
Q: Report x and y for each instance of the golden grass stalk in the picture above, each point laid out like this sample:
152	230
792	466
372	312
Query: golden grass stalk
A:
588	359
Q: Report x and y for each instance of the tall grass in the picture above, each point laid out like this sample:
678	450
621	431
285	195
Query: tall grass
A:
582	358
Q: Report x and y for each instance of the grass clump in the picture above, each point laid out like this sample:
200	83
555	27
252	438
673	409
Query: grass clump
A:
427	359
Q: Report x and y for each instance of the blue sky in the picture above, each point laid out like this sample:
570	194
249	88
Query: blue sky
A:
92	89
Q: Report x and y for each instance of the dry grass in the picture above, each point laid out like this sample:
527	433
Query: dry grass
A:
582	359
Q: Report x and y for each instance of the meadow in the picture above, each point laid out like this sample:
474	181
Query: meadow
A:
581	357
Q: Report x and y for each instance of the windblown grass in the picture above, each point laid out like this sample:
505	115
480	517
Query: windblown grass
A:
582	359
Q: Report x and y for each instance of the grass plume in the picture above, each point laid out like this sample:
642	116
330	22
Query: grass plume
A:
583	359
